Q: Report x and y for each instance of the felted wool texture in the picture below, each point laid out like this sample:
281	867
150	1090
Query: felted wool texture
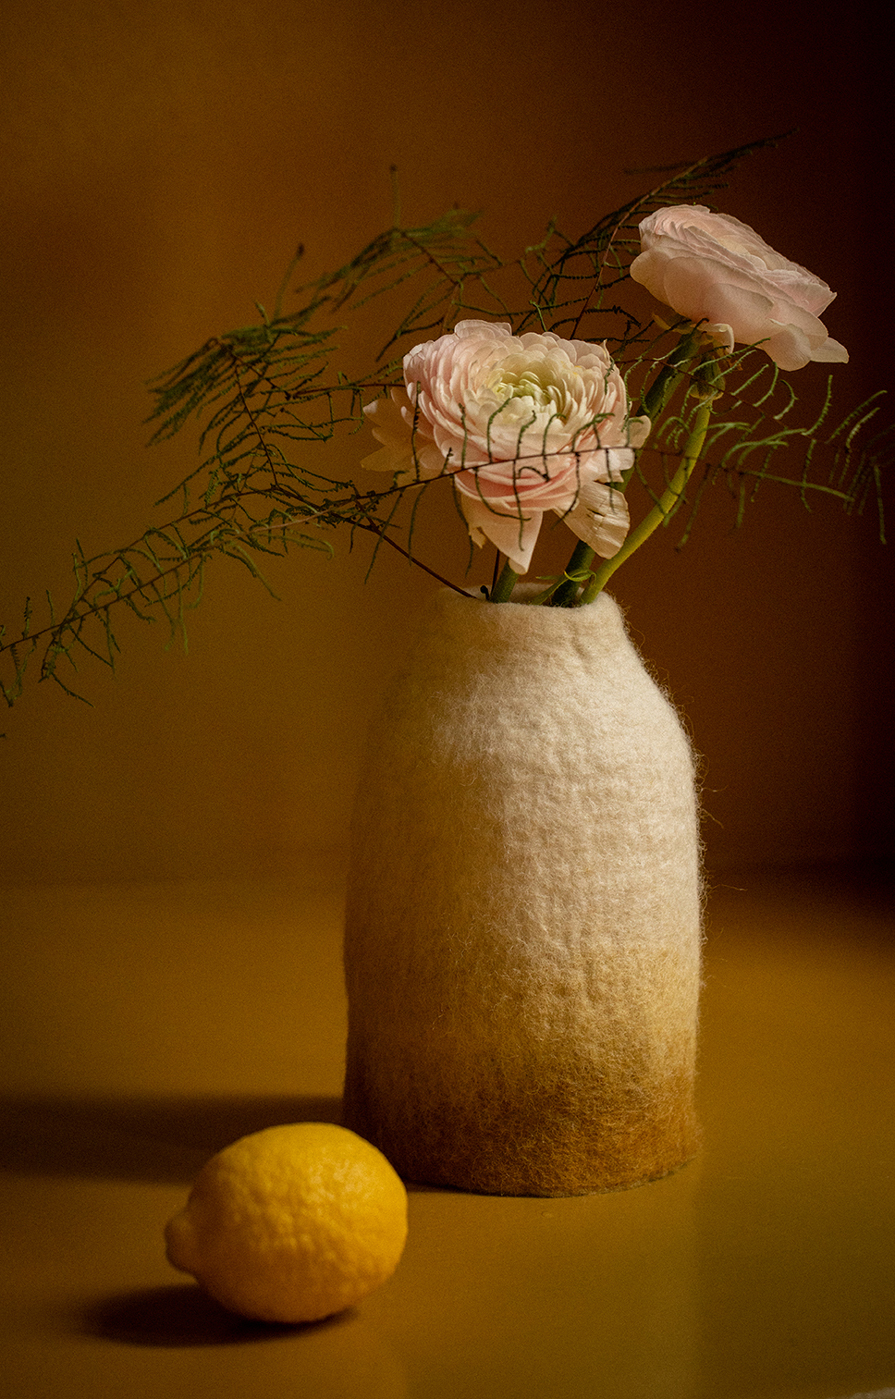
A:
523	927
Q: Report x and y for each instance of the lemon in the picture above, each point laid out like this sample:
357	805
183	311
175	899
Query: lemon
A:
292	1223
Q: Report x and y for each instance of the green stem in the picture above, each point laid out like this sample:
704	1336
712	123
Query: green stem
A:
662	510
503	588
662	387
652	404
567	592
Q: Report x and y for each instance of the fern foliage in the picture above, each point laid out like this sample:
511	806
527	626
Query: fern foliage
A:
263	394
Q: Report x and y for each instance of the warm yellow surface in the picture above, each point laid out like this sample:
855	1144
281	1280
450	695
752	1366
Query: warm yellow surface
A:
149	1025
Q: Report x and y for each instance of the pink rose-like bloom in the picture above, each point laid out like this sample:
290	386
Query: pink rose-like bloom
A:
522	424
710	267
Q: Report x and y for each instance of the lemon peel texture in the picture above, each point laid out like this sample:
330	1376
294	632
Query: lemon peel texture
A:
292	1224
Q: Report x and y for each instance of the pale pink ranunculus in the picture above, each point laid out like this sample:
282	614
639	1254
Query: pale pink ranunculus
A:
713	269
522	424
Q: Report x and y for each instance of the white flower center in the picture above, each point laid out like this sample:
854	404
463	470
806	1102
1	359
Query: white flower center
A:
542	385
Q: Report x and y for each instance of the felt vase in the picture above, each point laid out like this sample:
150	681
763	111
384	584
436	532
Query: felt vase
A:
523	925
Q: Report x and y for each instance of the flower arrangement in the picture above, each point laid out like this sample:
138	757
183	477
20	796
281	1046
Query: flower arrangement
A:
522	387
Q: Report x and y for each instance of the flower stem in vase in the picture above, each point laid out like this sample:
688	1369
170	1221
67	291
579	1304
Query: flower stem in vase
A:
663	509
503	588
569	592
579	564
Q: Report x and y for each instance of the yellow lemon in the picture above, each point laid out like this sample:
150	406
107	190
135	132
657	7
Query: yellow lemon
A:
292	1224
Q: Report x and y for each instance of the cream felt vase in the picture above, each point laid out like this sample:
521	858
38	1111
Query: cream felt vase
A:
523	933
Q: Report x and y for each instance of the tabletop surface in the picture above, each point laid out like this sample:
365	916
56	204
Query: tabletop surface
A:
145	1026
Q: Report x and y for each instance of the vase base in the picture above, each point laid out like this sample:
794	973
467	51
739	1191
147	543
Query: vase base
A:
587	1158
556	1192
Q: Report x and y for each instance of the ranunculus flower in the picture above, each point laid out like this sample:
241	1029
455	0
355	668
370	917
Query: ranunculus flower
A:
523	424
710	267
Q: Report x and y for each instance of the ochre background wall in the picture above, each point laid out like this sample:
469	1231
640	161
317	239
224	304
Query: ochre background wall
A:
160	162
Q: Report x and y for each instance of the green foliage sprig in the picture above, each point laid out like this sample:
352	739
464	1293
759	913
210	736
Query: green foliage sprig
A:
264	393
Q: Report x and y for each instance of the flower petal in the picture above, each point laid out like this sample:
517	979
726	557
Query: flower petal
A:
600	517
408	450
514	535
715	270
830	352
638	430
387	421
